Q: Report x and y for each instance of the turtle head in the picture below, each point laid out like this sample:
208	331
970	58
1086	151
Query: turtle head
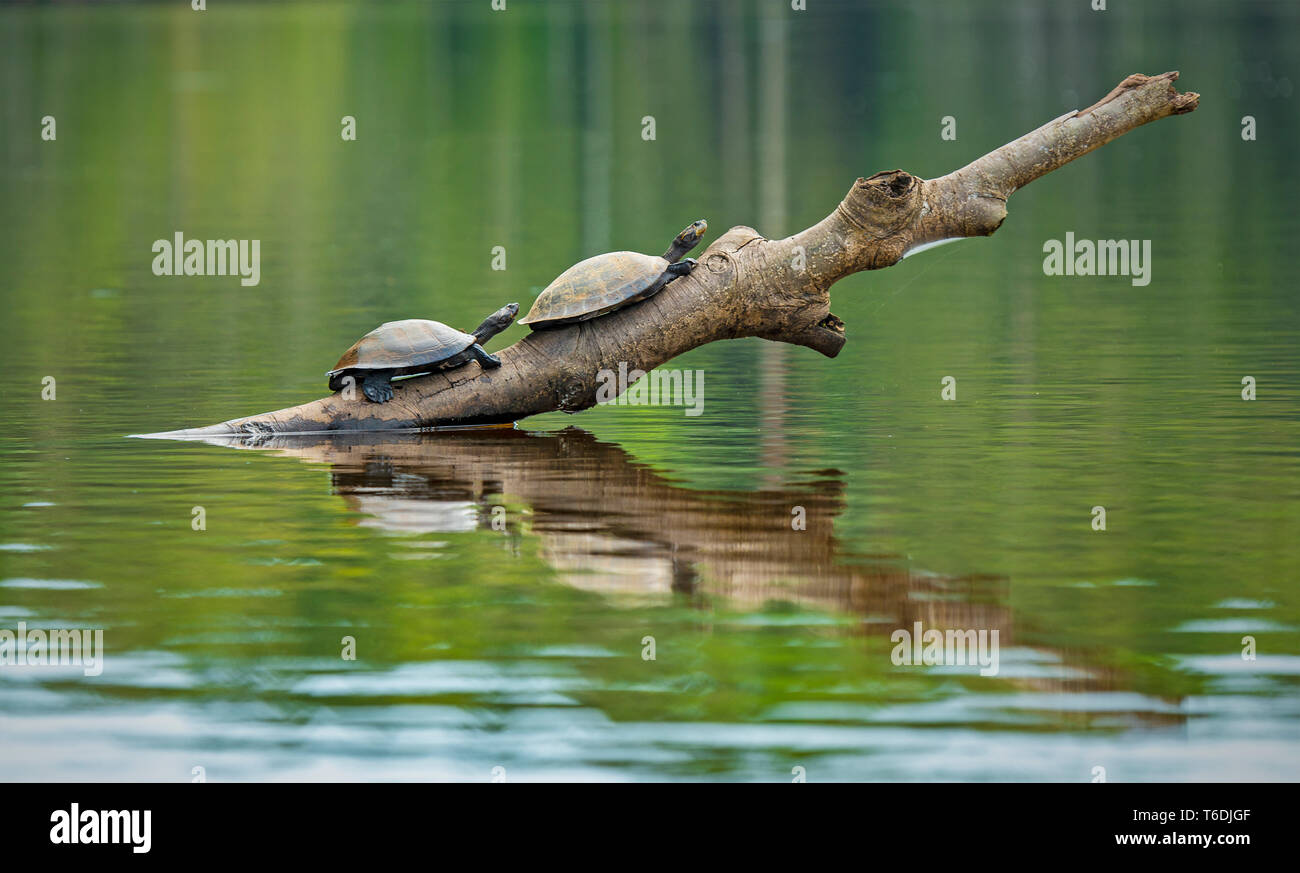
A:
496	322
686	240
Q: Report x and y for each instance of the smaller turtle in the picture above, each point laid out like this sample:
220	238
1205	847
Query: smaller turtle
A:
611	281
400	348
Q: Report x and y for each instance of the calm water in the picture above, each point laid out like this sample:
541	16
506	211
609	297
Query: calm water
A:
522	648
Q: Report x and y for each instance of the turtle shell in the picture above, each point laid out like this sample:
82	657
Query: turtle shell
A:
393	345
596	286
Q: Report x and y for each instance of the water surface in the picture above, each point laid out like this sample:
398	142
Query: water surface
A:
522	647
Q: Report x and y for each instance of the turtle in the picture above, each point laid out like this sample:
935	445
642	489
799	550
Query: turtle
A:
602	284
415	345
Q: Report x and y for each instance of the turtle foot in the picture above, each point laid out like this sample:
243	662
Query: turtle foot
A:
377	392
486	361
683	268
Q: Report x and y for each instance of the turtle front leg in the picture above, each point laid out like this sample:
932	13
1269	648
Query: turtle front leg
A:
486	361
377	388
682	268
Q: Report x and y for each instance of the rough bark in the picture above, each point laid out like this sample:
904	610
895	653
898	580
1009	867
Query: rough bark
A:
746	285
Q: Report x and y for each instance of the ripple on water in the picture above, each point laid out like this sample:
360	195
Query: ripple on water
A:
224	592
50	584
285	562
1022	708
434	678
1231	626
1224	665
1243	603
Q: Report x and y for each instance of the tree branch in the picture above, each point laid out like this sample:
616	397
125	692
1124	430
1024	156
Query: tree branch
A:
746	285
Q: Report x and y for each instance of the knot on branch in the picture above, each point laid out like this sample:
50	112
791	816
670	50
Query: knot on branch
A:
574	393
891	183
883	207
717	262
256	431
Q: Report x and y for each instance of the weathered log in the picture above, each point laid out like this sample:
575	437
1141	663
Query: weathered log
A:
745	286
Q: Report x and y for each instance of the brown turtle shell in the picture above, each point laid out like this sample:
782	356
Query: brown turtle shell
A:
414	342
596	286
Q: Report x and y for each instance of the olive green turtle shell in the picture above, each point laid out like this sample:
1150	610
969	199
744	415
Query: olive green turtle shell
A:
414	342
596	286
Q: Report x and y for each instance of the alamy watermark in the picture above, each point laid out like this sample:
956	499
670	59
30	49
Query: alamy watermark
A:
75	826
656	388
214	257
36	647
1105	257
952	648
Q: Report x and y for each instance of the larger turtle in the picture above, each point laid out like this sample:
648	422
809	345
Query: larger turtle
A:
399	348
611	281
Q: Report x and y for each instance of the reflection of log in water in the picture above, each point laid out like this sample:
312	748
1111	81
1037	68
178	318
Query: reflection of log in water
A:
773	40
607	523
